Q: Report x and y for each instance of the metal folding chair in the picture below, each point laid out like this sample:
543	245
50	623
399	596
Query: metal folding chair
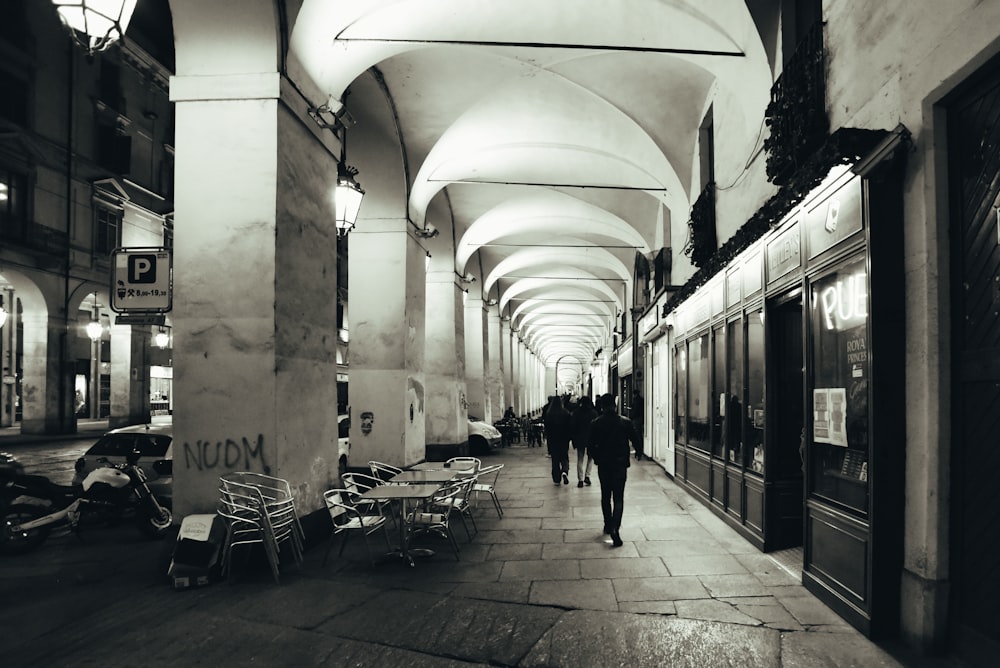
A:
346	517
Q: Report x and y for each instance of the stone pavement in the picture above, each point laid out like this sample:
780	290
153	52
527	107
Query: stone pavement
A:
540	587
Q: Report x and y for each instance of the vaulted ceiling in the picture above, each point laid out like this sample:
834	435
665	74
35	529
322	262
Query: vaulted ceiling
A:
549	142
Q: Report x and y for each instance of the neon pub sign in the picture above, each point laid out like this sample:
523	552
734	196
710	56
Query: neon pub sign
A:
844	304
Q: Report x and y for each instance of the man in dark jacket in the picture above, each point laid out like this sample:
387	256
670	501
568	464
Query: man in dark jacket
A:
584	414
610	435
558	431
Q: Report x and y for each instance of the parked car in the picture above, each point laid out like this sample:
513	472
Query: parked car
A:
483	437
343	442
154	442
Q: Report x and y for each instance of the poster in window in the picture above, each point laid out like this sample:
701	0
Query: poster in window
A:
838	416
821	415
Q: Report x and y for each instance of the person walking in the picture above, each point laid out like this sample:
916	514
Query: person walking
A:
558	430
584	414
609	444
637	414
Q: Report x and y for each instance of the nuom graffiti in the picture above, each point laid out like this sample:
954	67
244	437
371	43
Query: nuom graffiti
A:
228	454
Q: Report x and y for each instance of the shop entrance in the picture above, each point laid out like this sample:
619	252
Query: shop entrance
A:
784	473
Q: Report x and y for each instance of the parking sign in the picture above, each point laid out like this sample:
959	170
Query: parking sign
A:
141	280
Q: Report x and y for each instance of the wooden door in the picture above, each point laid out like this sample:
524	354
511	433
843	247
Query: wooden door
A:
974	151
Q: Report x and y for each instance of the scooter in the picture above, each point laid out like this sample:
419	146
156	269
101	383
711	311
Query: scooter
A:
108	493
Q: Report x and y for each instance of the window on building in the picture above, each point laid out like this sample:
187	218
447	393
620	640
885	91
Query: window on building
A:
719	404
797	17
839	438
114	149
107	230
110	85
734	411
706	148
680	395
13	206
754	432
14	26
14	101
698	392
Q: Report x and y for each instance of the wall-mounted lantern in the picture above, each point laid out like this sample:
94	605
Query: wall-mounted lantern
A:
95	24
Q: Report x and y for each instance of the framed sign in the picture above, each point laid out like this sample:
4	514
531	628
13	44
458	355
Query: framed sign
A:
142	280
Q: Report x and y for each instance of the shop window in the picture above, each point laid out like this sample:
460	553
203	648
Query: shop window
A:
13	211
698	393
734	411
839	438
107	230
754	430
680	397
719	391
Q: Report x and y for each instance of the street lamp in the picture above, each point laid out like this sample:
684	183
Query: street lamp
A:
348	194
94	330
161	339
95	24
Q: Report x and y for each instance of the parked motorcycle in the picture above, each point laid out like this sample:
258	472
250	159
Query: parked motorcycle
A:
107	495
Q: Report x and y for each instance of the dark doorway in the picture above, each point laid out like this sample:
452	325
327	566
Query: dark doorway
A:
783	475
974	156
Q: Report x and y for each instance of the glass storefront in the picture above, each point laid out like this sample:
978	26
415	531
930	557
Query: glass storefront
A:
839	441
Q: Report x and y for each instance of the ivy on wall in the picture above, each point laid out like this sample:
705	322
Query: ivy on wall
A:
702	244
845	146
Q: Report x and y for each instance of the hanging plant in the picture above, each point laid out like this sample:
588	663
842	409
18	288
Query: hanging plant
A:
703	243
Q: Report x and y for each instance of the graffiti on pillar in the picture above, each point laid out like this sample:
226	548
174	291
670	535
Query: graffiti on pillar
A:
462	401
229	454
367	422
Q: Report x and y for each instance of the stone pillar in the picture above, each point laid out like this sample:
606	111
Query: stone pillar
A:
550	380
516	373
41	391
494	367
446	421
8	353
255	266
387	296
477	354
507	361
130	375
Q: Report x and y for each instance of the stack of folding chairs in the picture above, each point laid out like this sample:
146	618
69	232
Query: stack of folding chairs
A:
259	509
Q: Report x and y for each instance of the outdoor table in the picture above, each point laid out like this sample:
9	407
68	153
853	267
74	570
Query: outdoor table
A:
439	466
403	494
414	476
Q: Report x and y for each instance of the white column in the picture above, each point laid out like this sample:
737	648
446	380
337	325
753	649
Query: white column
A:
387	297
446	423
476	358
494	367
130	375
254	318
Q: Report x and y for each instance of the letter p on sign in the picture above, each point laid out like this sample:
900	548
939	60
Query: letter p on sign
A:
142	269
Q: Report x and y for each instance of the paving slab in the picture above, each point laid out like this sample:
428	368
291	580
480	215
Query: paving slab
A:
615	639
